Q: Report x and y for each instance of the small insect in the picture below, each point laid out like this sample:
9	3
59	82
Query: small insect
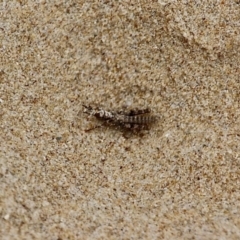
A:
132	120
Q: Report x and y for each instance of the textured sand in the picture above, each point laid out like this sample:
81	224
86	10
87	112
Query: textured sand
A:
180	180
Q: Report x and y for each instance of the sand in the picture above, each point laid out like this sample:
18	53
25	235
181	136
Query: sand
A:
178	180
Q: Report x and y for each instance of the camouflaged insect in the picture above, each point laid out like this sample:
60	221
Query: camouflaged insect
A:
133	120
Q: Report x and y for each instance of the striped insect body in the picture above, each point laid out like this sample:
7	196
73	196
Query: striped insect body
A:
134	119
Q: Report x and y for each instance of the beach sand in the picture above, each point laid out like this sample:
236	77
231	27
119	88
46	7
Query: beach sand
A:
178	180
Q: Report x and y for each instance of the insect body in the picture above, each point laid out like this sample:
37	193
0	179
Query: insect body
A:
98	113
135	119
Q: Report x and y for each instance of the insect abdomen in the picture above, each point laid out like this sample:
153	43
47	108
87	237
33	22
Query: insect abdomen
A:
139	119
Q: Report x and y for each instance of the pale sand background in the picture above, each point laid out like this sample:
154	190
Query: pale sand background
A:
181	180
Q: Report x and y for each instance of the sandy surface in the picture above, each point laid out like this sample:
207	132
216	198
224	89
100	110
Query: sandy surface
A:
178	180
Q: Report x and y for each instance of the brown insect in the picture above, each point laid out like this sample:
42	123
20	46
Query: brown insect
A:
132	120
